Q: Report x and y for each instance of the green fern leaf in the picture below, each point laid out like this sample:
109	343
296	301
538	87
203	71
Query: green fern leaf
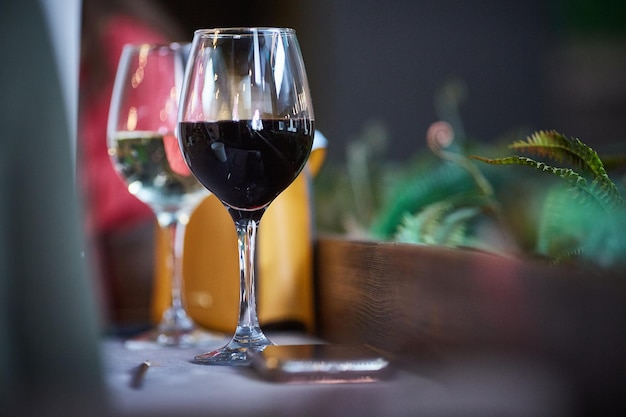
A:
454	229
420	227
558	147
566	174
572	226
605	193
422	190
445	222
439	223
431	218
561	229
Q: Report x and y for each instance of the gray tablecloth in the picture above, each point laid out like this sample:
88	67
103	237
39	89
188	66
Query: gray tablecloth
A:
174	386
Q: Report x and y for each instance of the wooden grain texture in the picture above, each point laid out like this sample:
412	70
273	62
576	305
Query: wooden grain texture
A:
399	296
419	302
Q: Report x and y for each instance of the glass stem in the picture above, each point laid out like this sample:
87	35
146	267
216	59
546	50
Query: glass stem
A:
177	235
248	328
175	318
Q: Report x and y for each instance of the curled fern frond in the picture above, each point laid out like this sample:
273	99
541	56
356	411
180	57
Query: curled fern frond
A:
440	137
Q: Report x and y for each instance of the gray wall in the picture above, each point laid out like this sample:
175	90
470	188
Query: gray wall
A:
384	60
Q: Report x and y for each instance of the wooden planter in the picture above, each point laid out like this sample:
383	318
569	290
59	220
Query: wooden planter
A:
426	303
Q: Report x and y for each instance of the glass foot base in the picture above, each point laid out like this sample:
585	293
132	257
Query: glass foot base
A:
224	356
156	339
236	351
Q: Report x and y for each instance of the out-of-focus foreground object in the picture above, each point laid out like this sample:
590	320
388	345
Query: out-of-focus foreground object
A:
49	358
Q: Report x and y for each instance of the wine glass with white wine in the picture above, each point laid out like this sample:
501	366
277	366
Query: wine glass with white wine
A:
145	153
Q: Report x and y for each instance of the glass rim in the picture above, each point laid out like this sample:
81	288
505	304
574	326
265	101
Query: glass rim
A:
242	31
151	46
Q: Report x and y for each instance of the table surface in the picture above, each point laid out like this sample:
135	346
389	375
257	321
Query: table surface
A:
468	386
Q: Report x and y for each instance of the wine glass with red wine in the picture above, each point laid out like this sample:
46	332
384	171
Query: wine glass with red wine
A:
246	128
145	153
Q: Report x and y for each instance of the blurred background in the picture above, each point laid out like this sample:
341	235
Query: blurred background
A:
381	73
535	64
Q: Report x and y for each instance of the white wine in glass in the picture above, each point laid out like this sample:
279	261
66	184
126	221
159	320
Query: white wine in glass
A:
144	150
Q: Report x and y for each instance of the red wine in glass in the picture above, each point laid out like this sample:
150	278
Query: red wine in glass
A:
245	128
247	163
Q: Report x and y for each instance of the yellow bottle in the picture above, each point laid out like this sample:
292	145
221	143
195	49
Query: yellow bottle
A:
284	259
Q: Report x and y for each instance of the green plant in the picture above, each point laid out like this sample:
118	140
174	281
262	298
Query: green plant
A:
559	148
565	208
584	216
